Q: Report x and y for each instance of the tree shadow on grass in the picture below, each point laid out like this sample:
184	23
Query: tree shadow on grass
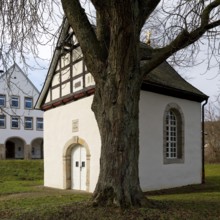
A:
212	184
165	210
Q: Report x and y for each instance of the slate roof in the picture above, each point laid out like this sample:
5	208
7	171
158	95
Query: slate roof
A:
165	80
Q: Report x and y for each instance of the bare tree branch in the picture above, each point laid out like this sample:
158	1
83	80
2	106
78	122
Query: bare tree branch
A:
146	8
99	4
205	16
183	39
103	31
92	51
24	25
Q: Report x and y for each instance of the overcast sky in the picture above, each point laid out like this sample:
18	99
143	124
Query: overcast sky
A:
208	82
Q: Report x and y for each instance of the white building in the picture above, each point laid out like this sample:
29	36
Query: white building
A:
21	127
170	125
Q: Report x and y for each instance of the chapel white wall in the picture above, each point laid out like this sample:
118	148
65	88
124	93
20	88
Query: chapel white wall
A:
57	132
153	173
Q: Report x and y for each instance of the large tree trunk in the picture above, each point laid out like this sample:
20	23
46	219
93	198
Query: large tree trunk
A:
116	111
116	107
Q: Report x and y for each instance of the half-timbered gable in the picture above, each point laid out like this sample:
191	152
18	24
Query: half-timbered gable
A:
70	79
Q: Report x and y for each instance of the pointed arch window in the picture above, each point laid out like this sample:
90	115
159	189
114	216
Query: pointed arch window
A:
173	134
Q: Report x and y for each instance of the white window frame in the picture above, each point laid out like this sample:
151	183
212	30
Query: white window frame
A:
173	134
17	120
3	97
28	100
28	121
13	100
39	123
3	119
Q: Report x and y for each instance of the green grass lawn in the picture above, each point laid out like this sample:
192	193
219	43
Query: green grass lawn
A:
22	196
18	176
22	193
194	202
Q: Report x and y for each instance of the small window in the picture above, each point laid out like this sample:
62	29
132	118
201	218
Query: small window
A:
28	103
2	100
2	121
15	122
15	102
77	84
28	123
83	164
77	163
40	124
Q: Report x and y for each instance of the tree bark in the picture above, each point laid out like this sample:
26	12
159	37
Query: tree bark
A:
116	111
116	107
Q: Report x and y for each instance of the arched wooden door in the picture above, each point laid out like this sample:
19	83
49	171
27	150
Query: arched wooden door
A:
78	168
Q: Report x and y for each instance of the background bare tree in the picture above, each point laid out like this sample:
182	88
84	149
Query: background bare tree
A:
172	17
212	131
24	26
118	64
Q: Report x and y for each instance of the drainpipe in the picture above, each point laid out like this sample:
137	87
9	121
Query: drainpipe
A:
203	141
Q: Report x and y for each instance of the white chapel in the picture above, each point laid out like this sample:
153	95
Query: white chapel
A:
170	125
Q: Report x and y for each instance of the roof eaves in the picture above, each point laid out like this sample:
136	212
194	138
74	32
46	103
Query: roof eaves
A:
170	91
53	63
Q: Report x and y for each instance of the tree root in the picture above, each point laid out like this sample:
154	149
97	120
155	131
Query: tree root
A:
108	197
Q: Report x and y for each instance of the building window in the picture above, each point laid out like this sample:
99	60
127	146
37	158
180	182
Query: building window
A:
28	103
2	100
40	124
2	121
28	123
15	102
15	122
173	134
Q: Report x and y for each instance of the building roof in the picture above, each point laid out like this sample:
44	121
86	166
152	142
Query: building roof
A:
11	70
53	63
164	79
